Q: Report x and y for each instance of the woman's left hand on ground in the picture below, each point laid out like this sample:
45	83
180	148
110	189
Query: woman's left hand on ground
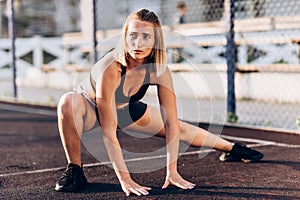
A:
176	180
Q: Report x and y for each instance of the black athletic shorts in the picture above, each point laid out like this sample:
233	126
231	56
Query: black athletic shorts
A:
126	115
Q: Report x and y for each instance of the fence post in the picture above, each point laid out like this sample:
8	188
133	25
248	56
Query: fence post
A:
95	52
12	34
231	60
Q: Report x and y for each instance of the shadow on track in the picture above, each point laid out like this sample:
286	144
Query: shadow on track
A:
294	165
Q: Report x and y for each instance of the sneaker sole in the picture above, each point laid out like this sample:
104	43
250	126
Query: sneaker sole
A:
233	159
252	160
223	158
230	160
72	189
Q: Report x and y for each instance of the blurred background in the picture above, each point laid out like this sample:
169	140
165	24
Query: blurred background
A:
252	45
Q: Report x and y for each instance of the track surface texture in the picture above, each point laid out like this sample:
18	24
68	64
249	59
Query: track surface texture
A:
32	160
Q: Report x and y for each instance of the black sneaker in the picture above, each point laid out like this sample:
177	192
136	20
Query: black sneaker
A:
72	178
242	153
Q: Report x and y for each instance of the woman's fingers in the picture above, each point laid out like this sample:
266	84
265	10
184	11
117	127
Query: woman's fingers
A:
189	185
142	191
134	191
137	190
183	184
127	192
167	183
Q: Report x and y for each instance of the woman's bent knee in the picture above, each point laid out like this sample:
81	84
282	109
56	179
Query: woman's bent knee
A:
68	103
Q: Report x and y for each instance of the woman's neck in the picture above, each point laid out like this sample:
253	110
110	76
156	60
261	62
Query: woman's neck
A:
133	63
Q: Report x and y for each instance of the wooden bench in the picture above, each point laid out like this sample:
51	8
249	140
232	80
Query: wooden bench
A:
208	34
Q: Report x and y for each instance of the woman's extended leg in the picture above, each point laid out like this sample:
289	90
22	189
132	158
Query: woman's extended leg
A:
152	123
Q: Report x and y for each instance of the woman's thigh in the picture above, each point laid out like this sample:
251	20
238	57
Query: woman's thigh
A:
151	122
75	108
90	116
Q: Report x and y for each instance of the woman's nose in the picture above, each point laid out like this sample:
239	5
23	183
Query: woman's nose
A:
138	42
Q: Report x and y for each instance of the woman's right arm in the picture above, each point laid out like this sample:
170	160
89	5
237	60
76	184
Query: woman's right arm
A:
105	99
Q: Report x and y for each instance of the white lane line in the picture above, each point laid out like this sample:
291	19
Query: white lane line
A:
28	110
258	143
33	172
109	163
103	163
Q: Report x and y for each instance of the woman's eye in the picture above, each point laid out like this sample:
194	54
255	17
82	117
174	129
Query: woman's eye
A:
133	36
147	37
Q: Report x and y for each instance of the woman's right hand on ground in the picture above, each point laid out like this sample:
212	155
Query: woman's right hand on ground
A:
129	186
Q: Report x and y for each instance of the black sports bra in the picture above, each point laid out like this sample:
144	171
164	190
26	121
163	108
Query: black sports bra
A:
121	98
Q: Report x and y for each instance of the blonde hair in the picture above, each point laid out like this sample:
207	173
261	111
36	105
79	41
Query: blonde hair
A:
157	58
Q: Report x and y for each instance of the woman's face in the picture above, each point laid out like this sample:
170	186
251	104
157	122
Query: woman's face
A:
140	39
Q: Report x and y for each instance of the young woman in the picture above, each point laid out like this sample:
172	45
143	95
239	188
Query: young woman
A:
111	96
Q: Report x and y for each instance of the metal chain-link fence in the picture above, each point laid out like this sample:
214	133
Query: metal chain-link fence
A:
265	53
268	69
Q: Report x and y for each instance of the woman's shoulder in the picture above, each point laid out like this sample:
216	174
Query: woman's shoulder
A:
113	70
107	60
108	65
157	78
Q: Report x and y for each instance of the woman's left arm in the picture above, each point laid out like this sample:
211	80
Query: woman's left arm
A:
167	101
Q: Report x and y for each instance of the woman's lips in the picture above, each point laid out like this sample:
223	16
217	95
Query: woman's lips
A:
137	51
